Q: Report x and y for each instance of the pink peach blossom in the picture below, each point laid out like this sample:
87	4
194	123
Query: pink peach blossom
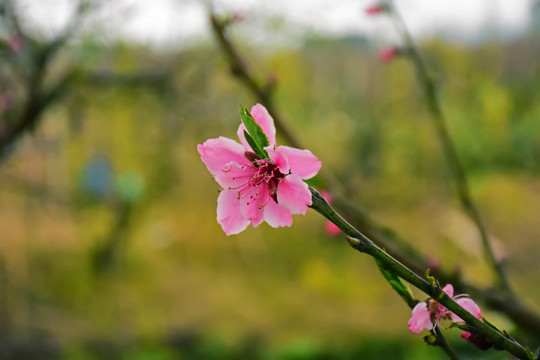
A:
374	9
426	315
330	228
253	189
16	42
387	55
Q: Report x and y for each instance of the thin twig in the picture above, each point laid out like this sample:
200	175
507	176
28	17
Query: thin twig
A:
38	97
363	244
240	70
456	168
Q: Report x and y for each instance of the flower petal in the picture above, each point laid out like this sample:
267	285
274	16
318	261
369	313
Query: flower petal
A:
294	194
255	202
229	214
449	290
420	319
215	153
279	158
263	118
303	163
469	305
276	215
332	229
233	176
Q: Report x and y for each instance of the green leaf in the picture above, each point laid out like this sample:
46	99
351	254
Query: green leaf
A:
491	325
398	285
261	154
255	136
314	181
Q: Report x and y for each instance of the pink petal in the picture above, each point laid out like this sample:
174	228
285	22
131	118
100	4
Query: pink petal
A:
263	118
420	319
303	163
255	202
465	335
326	195
234	176
373	10
388	54
276	215
279	158
229	214
215	153
294	194
332	229
469	305
449	290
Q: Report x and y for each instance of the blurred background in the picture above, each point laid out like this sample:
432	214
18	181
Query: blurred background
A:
109	247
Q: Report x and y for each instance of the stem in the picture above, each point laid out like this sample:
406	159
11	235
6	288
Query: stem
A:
441	341
456	168
361	243
240	70
498	299
263	93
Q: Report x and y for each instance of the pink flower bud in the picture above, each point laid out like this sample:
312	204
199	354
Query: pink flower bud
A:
433	263
16	42
374	9
6	100
387	55
330	228
237	17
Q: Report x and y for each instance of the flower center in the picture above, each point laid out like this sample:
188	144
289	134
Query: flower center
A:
266	178
267	174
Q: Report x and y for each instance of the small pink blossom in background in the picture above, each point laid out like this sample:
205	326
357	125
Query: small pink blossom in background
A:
330	228
374	9
433	263
6	100
426	315
476	340
387	55
16	42
257	190
237	17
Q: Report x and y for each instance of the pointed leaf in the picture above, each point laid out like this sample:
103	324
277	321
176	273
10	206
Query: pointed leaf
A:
261	153
314	181
398	285
258	139
491	325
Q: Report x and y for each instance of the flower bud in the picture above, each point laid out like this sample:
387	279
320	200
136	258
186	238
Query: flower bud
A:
330	228
387	55
476	340
376	9
16	42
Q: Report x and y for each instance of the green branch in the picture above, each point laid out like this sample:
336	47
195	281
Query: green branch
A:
361	243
